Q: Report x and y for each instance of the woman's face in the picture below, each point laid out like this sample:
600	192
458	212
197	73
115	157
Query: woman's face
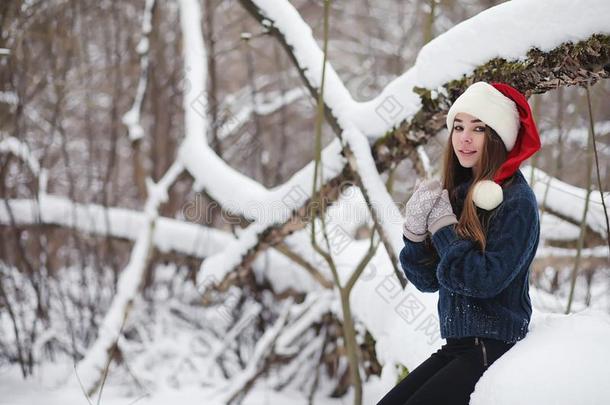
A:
468	139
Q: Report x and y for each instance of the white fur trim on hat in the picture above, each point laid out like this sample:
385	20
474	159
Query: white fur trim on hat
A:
488	104
487	194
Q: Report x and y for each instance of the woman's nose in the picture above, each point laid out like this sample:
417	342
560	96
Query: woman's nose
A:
466	137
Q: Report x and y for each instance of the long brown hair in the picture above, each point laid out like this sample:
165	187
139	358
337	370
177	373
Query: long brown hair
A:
473	222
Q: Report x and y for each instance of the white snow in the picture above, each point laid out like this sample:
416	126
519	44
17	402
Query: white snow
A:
263	346
263	105
556	229
568	200
22	151
388	214
563	360
132	117
576	136
8	97
91	367
507	31
169	234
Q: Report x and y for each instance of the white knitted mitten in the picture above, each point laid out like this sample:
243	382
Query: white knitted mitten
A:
441	214
418	207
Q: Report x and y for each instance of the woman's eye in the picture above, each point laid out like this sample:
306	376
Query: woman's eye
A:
480	129
457	128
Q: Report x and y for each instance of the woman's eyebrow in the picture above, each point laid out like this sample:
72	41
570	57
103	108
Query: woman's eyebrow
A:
475	120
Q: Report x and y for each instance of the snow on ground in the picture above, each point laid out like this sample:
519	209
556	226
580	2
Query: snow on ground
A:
562	361
174	361
15	391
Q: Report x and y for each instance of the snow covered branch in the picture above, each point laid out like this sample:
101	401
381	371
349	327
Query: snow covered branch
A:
22	151
295	35
240	384
418	114
566	201
170	234
92	367
132	117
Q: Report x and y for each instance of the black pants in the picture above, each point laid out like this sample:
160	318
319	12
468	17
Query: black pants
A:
449	375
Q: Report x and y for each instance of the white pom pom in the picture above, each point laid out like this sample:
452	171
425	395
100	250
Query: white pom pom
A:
487	194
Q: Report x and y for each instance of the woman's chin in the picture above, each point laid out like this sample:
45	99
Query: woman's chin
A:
467	165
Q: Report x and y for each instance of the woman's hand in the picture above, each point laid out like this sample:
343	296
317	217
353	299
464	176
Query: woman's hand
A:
418	207
441	214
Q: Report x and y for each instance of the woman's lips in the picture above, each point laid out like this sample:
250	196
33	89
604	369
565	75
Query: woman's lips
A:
467	153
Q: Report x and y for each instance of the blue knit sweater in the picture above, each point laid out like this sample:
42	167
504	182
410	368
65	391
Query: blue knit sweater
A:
482	294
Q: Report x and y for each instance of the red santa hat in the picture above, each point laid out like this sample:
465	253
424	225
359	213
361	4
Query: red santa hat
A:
507	112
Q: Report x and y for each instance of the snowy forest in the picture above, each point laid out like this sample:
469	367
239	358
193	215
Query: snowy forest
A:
202	200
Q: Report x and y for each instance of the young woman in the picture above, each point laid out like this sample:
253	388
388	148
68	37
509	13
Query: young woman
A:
472	239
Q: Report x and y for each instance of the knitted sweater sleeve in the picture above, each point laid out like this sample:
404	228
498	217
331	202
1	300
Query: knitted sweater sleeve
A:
466	270
421	275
